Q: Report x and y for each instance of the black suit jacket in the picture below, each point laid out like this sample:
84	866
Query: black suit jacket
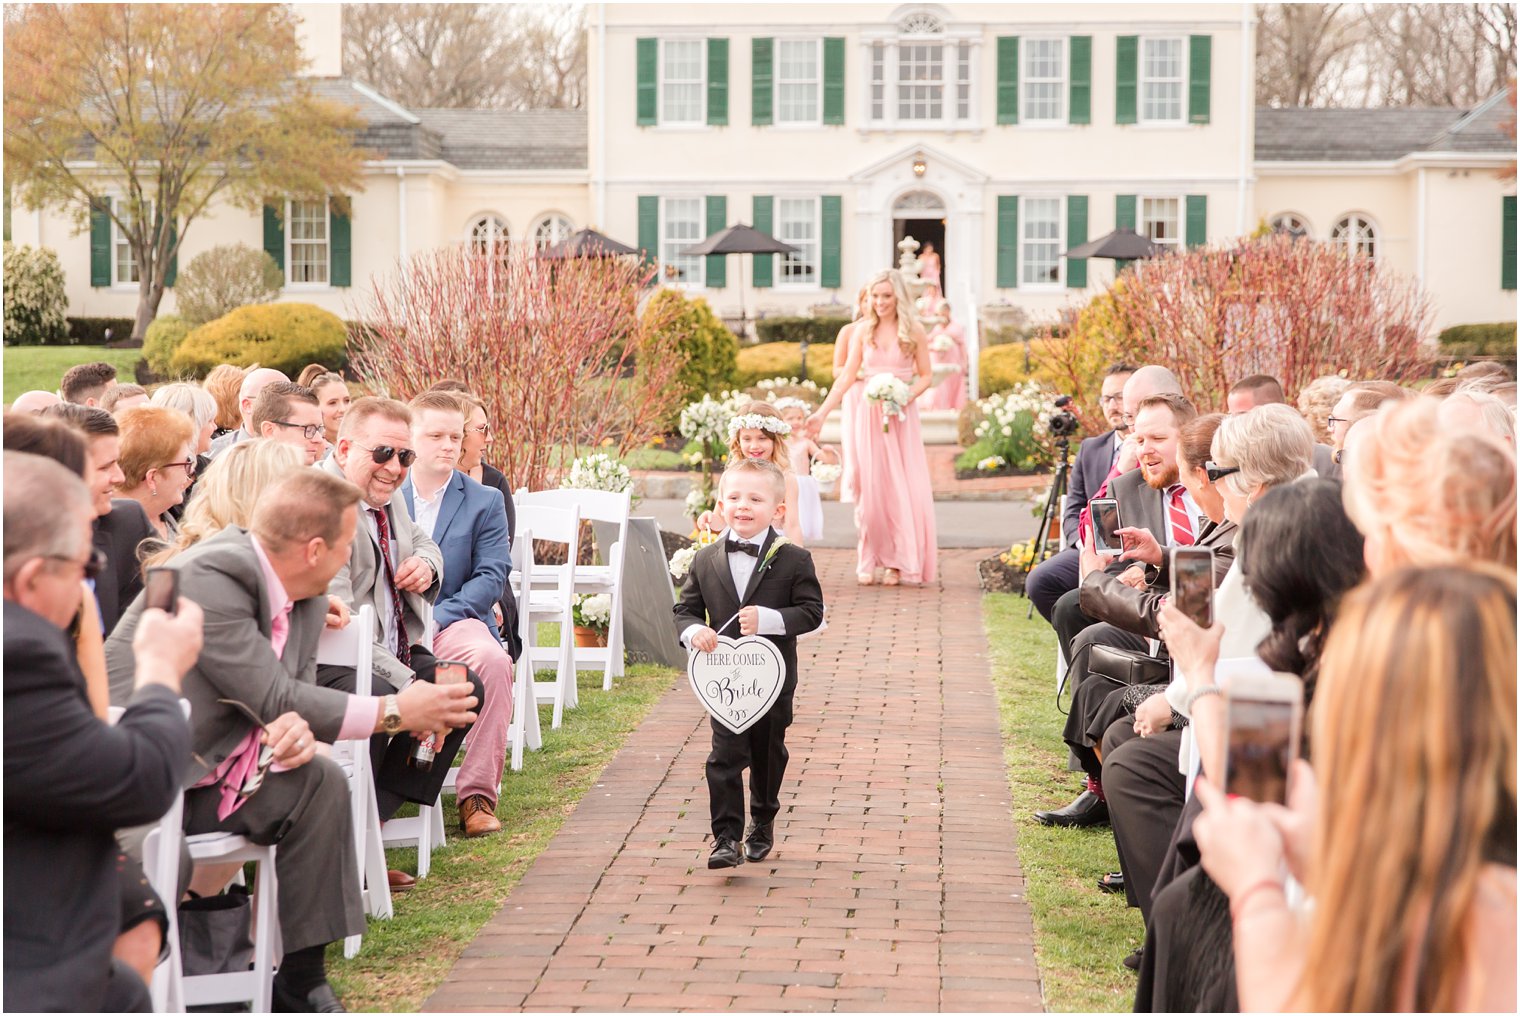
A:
788	584
493	477
117	534
70	782
1095	457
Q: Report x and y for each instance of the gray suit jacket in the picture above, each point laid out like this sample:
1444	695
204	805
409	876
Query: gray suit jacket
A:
1325	464
222	575
360	581
1139	505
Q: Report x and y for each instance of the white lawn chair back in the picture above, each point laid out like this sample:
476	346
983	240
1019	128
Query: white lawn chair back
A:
525	730
547	593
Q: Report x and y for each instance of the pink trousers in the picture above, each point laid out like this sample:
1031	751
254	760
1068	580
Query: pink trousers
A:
485	745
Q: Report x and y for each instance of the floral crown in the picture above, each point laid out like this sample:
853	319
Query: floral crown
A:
756	421
788	402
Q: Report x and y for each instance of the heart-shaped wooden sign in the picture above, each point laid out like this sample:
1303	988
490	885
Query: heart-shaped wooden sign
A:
737	682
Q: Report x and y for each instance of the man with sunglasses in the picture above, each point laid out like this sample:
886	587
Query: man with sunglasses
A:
397	569
291	414
71	780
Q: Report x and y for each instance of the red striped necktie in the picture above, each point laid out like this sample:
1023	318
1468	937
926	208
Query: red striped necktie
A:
1182	525
403	647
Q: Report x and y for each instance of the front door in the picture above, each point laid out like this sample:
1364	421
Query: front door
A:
926	232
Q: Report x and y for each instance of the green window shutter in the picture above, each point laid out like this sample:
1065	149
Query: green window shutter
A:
648	69
340	251
833	80
100	242
717	82
173	271
717	218
1076	235
1008	79
828	270
764	263
1127	71
761	80
1200	59
1124	211
1080	104
1007	241
1507	260
274	235
649	228
1197	220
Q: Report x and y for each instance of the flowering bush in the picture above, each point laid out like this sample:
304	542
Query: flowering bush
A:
35	301
1015	426
593	610
1021	555
697	502
680	562
598	472
706	425
777	390
891	393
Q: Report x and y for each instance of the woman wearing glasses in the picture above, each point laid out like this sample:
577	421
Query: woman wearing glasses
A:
157	461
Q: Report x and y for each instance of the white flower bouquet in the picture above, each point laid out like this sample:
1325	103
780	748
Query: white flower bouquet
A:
593	610
891	393
827	474
598	472
680	562
941	343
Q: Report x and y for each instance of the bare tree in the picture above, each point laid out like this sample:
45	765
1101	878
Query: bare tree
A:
1303	51
467	55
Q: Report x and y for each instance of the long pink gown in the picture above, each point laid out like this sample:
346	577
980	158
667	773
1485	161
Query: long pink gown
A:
849	409
894	508
951	392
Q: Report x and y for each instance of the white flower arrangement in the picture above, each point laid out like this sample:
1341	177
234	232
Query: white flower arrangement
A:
891	393
991	462
706	421
827	472
941	343
697	503
770	384
1001	410
593	610
680	562
598	472
755	421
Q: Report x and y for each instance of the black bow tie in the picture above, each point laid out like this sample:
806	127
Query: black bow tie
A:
735	547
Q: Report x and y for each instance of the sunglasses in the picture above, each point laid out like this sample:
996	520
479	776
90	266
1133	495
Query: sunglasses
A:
92	565
188	466
310	431
1217	472
384	453
254	780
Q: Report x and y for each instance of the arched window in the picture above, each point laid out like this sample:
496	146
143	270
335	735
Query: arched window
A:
1292	223
1355	234
489	233
551	229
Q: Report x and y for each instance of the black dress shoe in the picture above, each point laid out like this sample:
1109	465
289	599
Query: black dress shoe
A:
758	844
725	854
1087	810
1113	882
322	998
1132	961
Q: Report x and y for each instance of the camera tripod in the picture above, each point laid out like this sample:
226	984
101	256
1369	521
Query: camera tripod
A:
1052	510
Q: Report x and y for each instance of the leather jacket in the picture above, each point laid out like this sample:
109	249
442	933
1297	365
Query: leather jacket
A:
1105	598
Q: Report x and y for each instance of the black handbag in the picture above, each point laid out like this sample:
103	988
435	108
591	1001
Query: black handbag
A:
216	933
1127	667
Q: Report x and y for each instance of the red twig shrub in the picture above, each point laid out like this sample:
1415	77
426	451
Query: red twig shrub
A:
550	347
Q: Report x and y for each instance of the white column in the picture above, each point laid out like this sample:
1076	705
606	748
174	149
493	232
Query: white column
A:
1420	228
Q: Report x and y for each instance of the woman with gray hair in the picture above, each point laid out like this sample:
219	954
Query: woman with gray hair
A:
200	405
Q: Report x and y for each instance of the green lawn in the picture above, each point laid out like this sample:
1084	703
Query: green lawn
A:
32	367
1081	934
404	959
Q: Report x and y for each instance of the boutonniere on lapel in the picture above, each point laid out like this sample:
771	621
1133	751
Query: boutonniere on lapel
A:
770	554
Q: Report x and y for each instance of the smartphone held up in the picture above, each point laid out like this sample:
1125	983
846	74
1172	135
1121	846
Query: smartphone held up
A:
161	590
1264	720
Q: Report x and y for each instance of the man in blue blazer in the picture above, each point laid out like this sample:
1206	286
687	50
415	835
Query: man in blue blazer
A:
469	523
1095	458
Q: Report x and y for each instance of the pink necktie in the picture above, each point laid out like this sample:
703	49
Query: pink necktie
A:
244	760
1182	526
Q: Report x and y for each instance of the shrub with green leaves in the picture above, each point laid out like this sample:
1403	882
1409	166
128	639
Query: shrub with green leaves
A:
35	301
285	336
782	359
795	329
709	351
219	281
162	341
1496	339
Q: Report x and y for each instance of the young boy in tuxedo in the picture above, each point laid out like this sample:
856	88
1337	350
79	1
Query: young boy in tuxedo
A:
769	589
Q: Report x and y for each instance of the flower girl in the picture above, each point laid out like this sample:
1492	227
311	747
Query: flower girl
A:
758	432
802	450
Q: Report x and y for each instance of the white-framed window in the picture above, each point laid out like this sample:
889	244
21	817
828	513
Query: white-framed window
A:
1161	221
1291	223
489	233
1041	224
923	75
1355	234
1163	70
683	81
797	223
1042	92
550	230
799	81
306	243
680	227
123	257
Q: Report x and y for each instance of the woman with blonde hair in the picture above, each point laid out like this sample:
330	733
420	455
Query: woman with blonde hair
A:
1316	401
227	493
225	382
894	509
1403	832
847	441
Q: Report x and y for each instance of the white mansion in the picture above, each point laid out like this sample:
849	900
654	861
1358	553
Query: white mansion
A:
1005	134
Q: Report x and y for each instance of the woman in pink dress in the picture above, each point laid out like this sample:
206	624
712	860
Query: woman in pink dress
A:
947	353
847	485
894	507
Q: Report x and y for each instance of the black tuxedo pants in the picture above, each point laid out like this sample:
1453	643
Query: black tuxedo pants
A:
762	750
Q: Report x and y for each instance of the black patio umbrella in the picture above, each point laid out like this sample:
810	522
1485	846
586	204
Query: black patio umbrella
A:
1123	244
741	239
587	243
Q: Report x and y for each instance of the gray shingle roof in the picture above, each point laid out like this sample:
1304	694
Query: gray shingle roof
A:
1347	135
509	139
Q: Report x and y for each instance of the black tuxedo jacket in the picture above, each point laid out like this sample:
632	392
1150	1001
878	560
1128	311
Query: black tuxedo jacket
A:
788	585
117	534
1095	457
70	782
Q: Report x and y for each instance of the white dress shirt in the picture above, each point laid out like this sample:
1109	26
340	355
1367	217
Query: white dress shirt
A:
742	567
426	506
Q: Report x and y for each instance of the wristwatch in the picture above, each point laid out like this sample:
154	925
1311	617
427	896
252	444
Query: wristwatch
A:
390	711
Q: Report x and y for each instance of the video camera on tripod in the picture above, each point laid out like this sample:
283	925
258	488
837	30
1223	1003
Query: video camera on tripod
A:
1063	424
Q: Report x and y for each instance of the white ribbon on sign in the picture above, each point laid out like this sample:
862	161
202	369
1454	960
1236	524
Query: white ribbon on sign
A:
738	682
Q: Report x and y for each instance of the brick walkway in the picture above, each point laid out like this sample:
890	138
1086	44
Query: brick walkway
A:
895	882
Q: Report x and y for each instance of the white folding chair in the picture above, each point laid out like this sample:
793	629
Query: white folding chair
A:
607	577
171	990
548	594
353	646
